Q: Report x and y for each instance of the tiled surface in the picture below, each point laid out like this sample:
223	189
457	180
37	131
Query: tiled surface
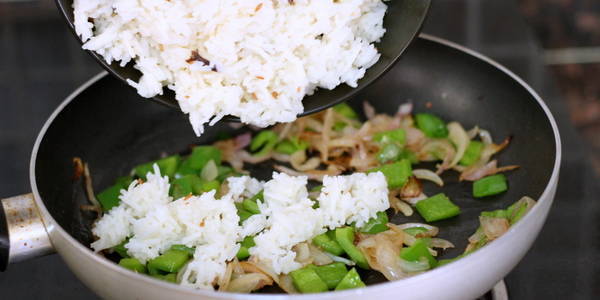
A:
40	64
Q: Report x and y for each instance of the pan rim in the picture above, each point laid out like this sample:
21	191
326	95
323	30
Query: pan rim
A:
53	225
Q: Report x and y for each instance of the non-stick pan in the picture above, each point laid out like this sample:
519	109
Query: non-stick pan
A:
110	127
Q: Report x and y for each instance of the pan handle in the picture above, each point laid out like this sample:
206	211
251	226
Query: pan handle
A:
22	232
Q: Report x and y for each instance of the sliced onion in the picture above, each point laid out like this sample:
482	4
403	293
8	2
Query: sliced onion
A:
287	284
382	252
281	157
242	140
369	110
247	283
263	268
400	206
249	158
226	278
89	190
485	136
428	175
327	124
210	171
414	266
285	130
414	200
493	227
477	236
472	133
405	109
286	170
302	253
441	243
340	259
299	162
411	189
318	256
491	149
477	171
414	138
458	136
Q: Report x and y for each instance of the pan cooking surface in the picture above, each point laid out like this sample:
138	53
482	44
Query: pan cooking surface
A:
113	129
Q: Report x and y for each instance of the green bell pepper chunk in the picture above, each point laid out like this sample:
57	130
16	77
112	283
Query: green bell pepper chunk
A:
170	261
120	248
345	237
418	250
409	155
516	211
397	136
414	231
396	174
190	250
251	206
489	186
224	172
345	110
242	212
376	225
184	186
325	242
332	274
132	264
499	213
306	280
168	167
472	154
437	208
170	277
206	186
264	141
431	125
245	245
350	281
109	197
290	146
198	159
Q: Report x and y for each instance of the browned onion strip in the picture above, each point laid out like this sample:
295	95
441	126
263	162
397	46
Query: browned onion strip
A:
327	123
369	110
299	162
89	190
478	171
247	283
411	189
286	284
431	230
428	175
493	227
441	243
382	253
224	280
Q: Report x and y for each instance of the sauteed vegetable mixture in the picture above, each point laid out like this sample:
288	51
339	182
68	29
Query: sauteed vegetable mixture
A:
200	220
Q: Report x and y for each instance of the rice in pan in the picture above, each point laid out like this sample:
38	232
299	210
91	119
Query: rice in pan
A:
255	59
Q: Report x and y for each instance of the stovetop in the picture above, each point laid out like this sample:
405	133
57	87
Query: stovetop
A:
40	64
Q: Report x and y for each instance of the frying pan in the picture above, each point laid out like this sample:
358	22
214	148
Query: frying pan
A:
104	123
404	18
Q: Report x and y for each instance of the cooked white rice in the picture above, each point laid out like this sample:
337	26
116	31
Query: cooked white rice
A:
154	222
256	59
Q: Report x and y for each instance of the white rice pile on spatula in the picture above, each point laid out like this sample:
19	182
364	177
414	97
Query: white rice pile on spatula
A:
255	59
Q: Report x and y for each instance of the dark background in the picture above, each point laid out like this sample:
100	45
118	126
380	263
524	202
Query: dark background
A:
548	43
